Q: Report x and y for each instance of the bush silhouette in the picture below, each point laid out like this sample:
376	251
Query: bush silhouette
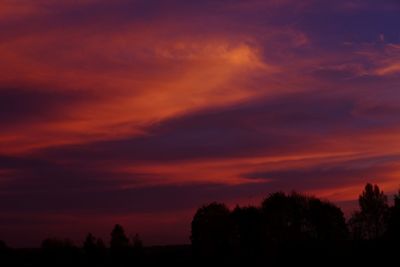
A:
59	252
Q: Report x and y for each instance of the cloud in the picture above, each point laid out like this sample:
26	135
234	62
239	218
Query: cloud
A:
390	69
295	122
137	75
124	108
19	105
219	145
31	114
54	187
322	178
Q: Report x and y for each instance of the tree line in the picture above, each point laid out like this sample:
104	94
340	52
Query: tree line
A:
296	224
284	228
122	251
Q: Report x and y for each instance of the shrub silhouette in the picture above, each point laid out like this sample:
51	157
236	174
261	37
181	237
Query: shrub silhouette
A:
59	252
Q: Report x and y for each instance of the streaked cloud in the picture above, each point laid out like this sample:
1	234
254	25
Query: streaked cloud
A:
120	109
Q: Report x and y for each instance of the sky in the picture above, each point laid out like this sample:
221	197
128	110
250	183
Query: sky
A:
140	111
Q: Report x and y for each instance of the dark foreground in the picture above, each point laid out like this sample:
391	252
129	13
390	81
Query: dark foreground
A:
358	253
285	229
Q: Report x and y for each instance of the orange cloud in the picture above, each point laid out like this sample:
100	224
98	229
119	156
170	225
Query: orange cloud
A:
180	75
168	106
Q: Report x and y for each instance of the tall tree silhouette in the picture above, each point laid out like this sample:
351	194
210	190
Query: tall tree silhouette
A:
212	232
394	219
118	238
119	246
371	220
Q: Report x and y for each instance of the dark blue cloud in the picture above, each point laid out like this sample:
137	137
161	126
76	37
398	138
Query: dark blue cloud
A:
45	186
28	104
330	23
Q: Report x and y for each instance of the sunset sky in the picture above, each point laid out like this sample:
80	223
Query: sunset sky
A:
139	111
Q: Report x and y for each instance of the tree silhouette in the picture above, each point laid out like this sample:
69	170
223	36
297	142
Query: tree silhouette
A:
118	238
95	249
370	222
137	242
328	220
394	219
249	230
119	246
89	245
284	217
137	248
285	229
299	217
212	232
278	227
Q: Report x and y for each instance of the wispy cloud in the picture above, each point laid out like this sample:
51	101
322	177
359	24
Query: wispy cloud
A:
168	104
